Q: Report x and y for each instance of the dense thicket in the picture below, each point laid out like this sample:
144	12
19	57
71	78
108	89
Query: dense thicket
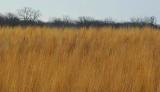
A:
15	21
30	17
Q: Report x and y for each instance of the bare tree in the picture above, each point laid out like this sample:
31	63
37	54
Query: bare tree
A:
147	20
11	16
84	19
109	20
29	14
153	20
66	19
12	19
136	20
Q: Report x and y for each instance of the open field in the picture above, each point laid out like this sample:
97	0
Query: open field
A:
79	60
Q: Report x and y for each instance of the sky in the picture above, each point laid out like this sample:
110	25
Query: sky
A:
119	10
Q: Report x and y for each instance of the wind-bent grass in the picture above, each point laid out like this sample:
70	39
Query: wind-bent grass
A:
79	60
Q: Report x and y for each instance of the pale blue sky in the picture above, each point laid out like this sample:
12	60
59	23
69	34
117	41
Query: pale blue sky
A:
99	9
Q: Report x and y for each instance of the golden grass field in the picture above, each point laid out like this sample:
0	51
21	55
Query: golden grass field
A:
44	59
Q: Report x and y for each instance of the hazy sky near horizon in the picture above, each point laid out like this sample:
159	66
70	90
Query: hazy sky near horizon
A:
99	9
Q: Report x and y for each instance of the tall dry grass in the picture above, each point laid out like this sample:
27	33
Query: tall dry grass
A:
79	60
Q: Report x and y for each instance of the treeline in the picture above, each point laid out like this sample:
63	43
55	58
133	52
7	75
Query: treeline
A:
30	17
